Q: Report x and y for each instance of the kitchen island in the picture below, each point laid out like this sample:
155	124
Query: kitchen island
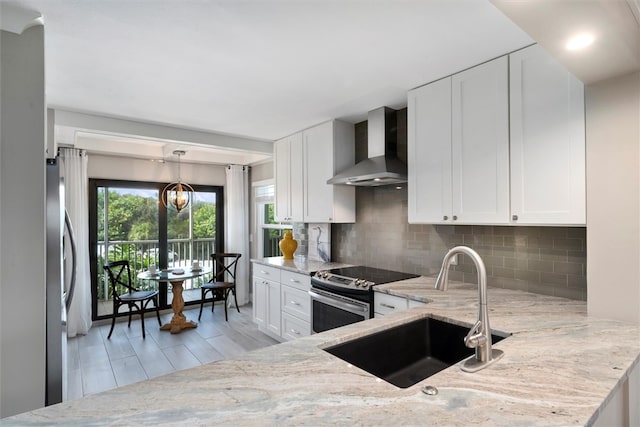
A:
560	368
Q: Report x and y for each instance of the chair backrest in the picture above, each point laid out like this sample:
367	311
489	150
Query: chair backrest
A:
119	277
224	267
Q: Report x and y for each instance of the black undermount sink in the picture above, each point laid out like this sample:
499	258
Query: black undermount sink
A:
407	354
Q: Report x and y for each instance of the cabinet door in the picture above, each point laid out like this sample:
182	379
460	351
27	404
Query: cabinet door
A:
327	149
281	172
296	177
288	173
318	155
547	141
429	153
273	307
480	144
260	301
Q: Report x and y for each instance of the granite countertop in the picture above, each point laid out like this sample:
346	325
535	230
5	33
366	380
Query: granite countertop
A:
298	264
560	367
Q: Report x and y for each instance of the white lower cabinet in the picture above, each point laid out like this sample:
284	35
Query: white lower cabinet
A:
266	299
281	302
296	305
385	304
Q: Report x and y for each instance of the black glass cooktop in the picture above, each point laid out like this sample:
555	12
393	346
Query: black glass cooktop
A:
375	275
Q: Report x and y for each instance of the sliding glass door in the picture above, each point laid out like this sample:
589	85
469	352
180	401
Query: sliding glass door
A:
128	221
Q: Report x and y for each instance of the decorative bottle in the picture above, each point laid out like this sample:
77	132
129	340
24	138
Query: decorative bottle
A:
288	245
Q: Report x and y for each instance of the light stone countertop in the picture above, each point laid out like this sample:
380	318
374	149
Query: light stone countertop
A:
298	264
560	367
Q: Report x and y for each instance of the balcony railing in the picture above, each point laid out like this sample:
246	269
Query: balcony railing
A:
142	253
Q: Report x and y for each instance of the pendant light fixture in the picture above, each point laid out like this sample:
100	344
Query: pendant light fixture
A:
178	193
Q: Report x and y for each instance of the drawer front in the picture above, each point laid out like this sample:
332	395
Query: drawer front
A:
414	303
296	302
385	303
293	328
266	272
296	280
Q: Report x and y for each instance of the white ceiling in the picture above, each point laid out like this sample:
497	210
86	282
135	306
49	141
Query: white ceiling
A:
258	68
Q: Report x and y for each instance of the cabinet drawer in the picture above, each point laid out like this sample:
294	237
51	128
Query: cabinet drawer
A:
266	272
295	302
295	280
385	303
293	328
414	303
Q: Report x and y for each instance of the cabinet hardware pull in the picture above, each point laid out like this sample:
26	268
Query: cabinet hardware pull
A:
455	217
263	272
295	332
444	218
295	303
514	217
388	306
295	281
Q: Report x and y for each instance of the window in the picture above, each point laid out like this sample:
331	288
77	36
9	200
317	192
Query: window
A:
128	221
269	231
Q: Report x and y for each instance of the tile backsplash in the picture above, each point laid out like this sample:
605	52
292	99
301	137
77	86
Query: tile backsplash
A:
544	260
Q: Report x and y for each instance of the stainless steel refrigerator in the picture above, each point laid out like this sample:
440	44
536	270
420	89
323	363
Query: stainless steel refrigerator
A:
60	282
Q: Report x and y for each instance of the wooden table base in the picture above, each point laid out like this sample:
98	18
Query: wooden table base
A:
179	321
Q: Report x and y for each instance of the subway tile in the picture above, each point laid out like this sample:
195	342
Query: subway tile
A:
539	265
568	244
508	273
553	255
577	232
515	241
540	242
515	263
553	278
553	232
574	281
504	231
482	229
530	276
568	268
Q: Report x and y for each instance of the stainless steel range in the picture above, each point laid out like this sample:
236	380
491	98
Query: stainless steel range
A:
342	296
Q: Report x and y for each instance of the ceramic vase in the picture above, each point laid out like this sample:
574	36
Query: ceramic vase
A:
288	245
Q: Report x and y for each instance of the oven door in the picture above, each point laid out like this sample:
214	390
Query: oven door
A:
329	311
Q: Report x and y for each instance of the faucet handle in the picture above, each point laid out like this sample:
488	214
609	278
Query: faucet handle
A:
475	338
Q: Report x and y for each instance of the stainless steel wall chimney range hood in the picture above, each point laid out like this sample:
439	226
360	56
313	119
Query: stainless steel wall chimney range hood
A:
383	166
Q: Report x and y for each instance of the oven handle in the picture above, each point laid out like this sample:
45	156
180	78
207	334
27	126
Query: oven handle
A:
340	304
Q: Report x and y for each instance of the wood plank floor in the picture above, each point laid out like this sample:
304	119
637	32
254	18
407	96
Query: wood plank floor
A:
96	364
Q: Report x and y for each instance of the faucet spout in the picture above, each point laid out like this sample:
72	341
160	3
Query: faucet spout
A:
479	337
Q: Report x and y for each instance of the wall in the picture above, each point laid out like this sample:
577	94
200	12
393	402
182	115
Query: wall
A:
22	222
613	197
125	168
545	260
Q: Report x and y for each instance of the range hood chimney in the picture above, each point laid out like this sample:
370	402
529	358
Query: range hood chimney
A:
382	167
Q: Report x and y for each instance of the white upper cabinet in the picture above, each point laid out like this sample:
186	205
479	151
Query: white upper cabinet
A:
547	141
327	149
507	146
458	148
288	172
429	153
480	144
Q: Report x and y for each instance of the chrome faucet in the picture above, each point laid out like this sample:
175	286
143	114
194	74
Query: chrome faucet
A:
479	337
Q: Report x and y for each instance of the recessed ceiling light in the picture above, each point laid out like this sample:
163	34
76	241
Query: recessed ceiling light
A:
580	41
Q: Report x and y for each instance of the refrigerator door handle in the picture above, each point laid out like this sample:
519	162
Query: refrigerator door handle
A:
72	240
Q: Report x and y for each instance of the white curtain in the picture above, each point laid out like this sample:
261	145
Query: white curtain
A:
236	218
76	182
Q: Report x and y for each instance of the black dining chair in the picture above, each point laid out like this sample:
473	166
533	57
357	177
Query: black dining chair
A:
223	281
124	293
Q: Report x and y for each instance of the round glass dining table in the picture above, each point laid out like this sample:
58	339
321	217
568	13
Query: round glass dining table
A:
176	276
